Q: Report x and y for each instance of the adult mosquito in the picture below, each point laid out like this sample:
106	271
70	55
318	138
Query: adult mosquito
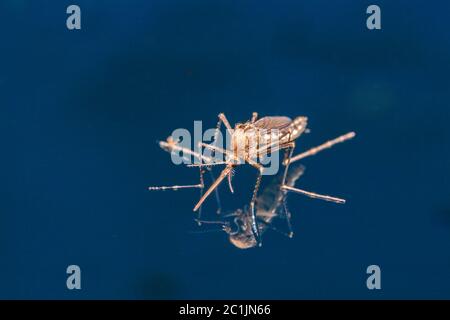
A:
249	141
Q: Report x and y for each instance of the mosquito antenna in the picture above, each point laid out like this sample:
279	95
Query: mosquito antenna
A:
313	195
321	147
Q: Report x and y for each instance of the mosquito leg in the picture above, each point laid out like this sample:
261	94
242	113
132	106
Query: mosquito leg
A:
233	214
227	153
222	176
255	190
313	195
288	217
201	185
254	117
210	222
287	157
223	151
224	119
323	146
172	146
216	135
216	191
230	182
202	182
175	187
254	225
268	225
289	149
207	164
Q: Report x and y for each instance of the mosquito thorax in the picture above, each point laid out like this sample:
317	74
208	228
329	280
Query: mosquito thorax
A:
239	142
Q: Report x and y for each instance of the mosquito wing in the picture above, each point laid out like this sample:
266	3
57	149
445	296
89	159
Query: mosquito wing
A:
273	123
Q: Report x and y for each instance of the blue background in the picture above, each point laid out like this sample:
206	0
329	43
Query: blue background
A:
81	112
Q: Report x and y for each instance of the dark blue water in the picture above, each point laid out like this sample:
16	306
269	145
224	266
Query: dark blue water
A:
81	112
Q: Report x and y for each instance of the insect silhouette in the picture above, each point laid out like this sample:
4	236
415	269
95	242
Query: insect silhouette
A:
249	141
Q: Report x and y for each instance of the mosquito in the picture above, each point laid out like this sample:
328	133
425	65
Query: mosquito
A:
249	141
271	133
